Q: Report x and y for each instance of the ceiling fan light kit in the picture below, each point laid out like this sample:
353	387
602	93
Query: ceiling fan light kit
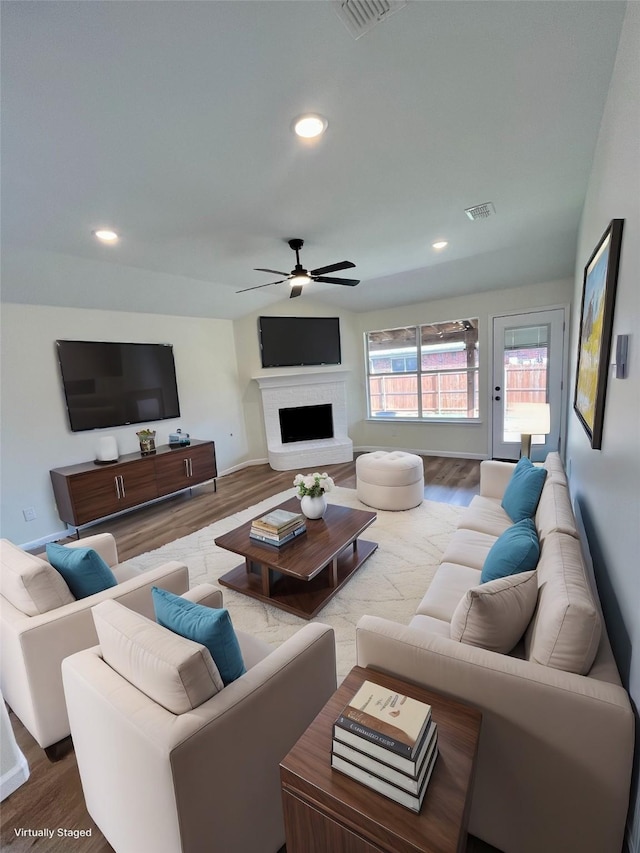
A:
299	276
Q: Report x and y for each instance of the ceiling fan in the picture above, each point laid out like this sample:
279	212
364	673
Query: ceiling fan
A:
299	276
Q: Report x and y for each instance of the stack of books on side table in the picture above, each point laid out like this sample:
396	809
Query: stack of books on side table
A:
277	527
388	742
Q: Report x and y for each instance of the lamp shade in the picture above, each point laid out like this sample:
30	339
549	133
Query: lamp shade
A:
528	418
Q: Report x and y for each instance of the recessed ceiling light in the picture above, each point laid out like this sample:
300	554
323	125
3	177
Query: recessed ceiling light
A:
106	235
440	244
309	126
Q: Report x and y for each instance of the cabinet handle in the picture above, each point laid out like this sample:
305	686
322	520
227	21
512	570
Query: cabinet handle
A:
122	485
190	467
116	481
186	467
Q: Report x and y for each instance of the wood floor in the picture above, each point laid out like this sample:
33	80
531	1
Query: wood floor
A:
52	797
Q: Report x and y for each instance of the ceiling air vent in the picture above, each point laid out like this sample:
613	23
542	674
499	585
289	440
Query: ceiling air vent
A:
359	16
480	211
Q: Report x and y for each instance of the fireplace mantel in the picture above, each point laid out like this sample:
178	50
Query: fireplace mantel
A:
312	388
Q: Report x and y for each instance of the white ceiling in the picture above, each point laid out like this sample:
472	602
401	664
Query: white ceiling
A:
170	121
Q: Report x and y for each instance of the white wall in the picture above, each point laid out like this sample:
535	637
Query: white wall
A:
249	365
35	430
466	440
606	483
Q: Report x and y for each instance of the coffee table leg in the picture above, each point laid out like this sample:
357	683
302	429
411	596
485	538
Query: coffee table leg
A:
265	580
333	573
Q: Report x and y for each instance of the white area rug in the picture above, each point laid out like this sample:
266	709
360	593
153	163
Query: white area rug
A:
391	583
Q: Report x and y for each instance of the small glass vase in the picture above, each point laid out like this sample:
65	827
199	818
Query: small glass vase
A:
147	445
313	508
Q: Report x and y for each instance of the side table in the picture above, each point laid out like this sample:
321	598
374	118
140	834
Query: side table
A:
325	810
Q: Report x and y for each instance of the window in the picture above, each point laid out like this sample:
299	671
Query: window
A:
424	372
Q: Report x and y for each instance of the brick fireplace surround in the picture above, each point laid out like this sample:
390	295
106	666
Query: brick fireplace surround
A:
290	390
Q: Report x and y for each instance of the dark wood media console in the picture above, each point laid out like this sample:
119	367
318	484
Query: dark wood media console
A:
86	492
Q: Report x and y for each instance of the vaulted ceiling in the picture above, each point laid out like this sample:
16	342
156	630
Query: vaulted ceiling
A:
171	122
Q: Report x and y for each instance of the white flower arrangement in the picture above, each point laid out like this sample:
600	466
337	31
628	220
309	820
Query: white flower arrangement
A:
313	485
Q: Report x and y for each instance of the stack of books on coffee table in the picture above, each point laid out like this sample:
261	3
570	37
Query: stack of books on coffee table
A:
277	527
387	741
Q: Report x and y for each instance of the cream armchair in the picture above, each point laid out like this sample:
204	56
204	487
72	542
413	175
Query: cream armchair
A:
35	642
204	775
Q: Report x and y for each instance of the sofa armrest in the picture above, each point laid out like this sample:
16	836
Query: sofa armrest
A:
494	477
555	748
197	767
33	647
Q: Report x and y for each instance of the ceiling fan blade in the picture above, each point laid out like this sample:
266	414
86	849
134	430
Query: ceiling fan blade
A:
296	290
341	265
268	284
275	272
350	281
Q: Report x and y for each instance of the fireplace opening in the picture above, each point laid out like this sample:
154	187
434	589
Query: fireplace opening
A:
306	423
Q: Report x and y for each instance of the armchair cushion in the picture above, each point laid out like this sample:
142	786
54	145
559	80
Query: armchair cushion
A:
30	584
520	499
210	626
175	672
83	569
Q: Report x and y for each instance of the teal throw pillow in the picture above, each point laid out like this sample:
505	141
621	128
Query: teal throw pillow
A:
83	569
209	626
517	550
520	499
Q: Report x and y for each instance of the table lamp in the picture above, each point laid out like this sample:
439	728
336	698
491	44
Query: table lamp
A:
528	419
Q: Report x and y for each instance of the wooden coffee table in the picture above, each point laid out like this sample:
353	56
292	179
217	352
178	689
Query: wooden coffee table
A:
303	575
325	810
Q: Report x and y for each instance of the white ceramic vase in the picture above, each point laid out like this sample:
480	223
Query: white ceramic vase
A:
313	507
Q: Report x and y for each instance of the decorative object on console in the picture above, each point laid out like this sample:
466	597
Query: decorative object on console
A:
594	339
311	491
147	438
107	450
528	419
179	439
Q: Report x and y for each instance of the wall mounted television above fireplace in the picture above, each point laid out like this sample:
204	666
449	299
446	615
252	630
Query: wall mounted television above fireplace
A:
112	384
299	341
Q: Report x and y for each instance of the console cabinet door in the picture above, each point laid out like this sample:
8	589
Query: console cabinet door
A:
183	468
98	493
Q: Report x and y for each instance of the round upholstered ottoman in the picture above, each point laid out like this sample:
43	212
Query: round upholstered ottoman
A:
390	480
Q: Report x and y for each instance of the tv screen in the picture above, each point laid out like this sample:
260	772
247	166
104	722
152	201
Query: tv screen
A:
112	384
299	341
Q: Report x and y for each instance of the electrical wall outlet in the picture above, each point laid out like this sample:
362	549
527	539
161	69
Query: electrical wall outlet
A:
29	513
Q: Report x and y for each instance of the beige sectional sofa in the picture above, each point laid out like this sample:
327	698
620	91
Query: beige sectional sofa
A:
554	761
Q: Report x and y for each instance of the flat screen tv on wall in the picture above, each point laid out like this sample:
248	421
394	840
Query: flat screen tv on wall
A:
111	384
299	341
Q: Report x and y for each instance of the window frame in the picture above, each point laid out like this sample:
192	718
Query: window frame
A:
417	352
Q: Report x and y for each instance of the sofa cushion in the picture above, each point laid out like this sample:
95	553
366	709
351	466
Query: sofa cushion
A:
522	494
29	583
83	569
565	630
517	550
495	615
555	469
207	625
173	671
554	513
468	548
449	584
486	516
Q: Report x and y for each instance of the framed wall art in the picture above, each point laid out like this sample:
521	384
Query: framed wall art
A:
594	337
